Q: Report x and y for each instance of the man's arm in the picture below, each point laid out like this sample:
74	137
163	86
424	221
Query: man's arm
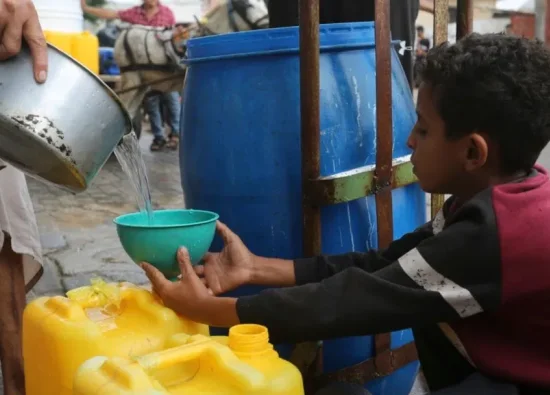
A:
427	6
453	275
98	12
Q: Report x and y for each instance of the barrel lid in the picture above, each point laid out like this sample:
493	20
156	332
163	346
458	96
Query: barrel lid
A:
279	40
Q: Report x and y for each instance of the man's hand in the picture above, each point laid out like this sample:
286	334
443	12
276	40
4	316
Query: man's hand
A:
190	297
18	20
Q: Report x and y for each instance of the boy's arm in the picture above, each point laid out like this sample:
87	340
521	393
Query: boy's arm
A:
453	275
313	270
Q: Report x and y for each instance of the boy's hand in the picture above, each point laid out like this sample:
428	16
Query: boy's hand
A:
18	20
188	295
230	268
190	298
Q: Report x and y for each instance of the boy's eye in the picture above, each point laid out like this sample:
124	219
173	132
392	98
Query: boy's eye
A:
421	131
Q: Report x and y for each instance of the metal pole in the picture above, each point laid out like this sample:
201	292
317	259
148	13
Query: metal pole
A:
441	33
384	128
306	355
465	18
540	19
310	118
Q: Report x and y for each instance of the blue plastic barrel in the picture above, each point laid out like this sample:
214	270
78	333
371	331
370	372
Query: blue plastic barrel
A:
240	150
107	64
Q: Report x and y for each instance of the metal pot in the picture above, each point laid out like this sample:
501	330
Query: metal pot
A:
64	130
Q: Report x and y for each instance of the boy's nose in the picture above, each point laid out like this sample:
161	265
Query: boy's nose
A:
410	141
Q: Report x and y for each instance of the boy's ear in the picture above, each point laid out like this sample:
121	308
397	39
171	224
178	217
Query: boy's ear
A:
478	152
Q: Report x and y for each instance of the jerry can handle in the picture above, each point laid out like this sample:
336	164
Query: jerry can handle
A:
63	307
173	356
245	376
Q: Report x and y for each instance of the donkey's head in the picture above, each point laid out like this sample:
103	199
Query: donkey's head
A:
253	13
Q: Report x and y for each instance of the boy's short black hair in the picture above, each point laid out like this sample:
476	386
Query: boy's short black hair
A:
420	28
496	84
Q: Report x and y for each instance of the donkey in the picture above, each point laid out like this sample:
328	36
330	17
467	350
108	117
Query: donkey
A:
147	54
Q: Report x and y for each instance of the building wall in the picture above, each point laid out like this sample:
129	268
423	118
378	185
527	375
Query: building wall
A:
523	24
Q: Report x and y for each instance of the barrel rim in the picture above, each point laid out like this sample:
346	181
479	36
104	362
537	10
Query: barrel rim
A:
279	41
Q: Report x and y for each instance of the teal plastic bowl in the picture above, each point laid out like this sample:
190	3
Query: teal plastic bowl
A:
158	243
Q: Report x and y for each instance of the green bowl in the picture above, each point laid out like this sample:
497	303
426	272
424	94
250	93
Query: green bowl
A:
158	243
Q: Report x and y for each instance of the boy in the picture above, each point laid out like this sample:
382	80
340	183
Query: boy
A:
474	283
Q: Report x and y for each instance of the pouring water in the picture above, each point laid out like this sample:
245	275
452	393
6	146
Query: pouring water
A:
130	158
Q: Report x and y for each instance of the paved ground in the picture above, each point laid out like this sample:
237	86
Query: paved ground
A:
77	233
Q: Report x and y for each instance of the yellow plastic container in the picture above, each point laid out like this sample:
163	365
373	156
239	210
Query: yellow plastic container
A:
245	363
63	41
59	334
85	49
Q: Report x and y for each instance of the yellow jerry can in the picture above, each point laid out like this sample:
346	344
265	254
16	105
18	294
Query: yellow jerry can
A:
85	49
60	333
244	363
61	40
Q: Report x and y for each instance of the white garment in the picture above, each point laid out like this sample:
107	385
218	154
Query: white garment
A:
17	219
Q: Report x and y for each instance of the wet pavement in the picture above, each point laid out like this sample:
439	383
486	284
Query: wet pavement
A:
77	233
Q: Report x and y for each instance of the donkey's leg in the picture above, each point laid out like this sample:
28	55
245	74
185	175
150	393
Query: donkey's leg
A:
133	99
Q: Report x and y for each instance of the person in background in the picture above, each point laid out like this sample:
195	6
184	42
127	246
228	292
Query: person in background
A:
403	14
422	47
150	13
422	44
509	30
20	251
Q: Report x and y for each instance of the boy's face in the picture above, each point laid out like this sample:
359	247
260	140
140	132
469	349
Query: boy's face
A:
442	165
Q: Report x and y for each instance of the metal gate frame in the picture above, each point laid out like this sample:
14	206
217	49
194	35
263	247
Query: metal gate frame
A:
379	182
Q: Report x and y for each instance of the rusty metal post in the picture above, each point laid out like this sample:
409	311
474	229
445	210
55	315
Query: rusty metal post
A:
384	126
310	118
465	18
441	29
441	21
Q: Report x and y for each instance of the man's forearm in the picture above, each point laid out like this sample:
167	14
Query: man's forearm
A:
427	5
100	12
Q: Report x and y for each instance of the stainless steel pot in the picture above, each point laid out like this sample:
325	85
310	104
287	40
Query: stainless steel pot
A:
64	130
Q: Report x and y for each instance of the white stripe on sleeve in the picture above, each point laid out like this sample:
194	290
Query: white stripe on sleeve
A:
460	299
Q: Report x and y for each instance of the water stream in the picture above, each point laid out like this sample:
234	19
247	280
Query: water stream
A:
130	158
